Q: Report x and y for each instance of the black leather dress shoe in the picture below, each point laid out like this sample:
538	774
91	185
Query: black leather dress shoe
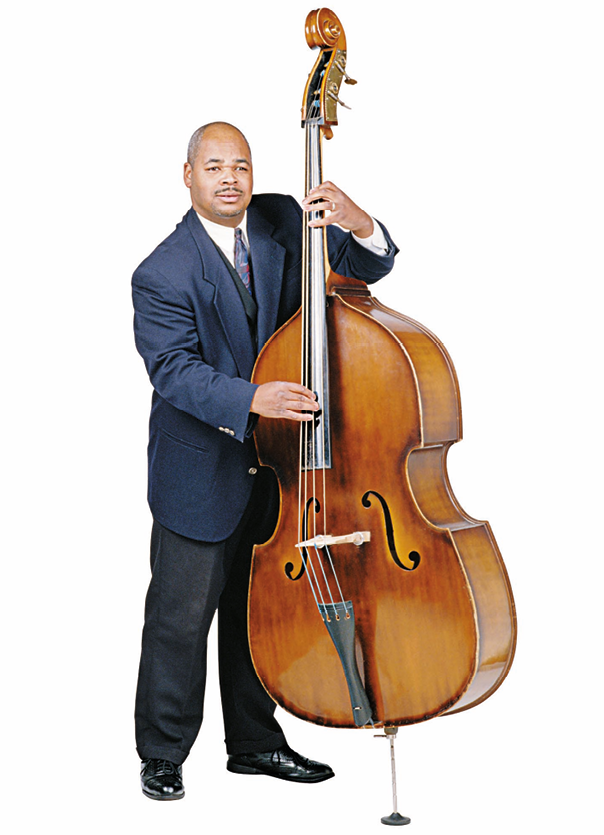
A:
283	763
162	780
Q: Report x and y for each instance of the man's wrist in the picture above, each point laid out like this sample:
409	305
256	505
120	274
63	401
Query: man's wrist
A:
365	230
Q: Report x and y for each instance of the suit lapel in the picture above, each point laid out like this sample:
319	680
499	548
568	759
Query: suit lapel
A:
268	259
226	298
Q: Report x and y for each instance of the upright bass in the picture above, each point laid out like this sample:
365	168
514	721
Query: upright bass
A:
378	601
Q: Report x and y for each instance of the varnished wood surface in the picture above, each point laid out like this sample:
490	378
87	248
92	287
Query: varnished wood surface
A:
431	640
427	472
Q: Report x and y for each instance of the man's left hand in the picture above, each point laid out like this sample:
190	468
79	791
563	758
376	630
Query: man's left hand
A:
338	208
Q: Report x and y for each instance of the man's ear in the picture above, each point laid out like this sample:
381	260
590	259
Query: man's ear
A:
187	174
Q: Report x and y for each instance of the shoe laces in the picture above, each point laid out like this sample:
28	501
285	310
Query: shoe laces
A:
163	768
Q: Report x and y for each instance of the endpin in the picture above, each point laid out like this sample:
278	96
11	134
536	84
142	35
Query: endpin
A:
395	819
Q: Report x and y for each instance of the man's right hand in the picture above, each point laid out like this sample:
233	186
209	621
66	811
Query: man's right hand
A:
284	400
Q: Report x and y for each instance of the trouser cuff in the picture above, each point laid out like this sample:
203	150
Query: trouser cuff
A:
255	746
173	755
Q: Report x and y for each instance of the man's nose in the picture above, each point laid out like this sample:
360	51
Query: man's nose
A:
229	175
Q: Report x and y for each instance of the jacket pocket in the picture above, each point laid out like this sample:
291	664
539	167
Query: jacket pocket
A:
182	442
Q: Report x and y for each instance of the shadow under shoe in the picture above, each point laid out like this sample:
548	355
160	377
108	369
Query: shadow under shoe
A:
162	780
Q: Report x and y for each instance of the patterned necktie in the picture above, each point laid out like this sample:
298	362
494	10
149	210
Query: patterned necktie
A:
241	261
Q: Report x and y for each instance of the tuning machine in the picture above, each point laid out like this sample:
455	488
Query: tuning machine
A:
333	94
340	64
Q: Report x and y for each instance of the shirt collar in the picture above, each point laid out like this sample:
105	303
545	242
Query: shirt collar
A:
224	236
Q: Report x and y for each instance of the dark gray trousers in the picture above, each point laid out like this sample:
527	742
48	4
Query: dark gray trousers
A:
190	580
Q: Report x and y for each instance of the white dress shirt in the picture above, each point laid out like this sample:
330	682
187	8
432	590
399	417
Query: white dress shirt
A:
224	237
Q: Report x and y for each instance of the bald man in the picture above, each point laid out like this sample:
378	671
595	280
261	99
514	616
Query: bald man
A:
206	300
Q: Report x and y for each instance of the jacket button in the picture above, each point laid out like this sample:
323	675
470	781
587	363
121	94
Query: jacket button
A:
252	471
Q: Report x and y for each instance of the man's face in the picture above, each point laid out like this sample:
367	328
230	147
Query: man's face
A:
221	178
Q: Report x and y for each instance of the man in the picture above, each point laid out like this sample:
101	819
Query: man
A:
201	316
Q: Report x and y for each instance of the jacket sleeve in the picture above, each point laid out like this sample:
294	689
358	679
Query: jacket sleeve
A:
165	333
351	259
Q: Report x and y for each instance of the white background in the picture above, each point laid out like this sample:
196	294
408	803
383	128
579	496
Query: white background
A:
476	135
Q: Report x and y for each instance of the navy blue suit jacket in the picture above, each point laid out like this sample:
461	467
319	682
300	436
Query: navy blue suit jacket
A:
192	332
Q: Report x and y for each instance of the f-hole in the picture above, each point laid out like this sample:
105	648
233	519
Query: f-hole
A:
289	567
413	557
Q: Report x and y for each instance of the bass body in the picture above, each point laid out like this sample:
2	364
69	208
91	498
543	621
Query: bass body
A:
434	612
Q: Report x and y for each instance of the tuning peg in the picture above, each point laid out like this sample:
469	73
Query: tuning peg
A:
347	78
333	96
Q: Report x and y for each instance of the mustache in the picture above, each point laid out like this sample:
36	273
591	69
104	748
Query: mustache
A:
229	191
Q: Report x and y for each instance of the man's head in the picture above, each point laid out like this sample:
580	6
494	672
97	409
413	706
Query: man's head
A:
219	173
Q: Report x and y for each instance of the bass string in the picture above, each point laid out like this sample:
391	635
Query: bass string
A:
310	486
306	440
313	114
313	177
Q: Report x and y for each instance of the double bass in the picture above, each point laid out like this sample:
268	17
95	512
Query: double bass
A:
378	601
